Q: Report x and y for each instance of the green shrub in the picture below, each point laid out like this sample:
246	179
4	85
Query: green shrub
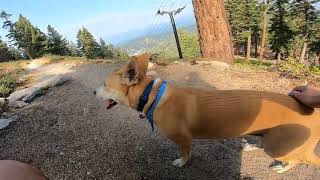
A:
7	85
293	69
253	64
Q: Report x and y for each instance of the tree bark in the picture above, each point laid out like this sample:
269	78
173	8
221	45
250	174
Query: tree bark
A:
264	33
303	52
215	37
238	46
249	45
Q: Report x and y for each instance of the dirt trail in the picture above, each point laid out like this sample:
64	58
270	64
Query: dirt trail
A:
69	134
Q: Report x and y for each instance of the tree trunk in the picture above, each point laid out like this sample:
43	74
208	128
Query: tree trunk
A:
317	63
249	45
29	55
256	45
278	57
264	33
215	35
238	46
303	52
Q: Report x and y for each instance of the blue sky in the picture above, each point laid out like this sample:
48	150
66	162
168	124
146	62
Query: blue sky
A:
110	19
104	18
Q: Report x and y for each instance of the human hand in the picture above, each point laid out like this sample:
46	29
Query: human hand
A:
307	95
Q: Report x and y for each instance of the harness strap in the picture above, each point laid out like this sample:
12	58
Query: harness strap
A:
154	104
145	96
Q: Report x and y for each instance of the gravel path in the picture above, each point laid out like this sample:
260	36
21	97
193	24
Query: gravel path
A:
69	134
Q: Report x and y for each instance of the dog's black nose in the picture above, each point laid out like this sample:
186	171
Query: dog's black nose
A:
94	92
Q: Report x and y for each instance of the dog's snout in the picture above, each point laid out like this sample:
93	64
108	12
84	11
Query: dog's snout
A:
95	92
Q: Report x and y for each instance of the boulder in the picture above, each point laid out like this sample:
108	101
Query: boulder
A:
51	81
28	94
25	95
19	104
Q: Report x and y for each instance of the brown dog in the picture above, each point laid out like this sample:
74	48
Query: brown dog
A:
289	130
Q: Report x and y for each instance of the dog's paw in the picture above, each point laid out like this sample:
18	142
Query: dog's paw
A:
179	162
281	167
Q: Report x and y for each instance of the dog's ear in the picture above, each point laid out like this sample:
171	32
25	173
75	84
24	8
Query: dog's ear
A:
143	63
130	73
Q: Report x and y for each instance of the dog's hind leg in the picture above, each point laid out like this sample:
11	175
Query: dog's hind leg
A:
286	143
311	157
184	145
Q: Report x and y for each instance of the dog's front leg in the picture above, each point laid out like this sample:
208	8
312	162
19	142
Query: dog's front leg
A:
184	145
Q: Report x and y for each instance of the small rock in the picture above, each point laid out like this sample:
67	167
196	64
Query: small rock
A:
61	153
5	122
2	101
88	173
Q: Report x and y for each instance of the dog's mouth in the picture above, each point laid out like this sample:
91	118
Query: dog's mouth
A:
110	103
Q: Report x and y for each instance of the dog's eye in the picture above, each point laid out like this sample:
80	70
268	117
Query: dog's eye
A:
105	84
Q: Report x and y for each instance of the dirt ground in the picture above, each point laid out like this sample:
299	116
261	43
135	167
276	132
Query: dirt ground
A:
69	134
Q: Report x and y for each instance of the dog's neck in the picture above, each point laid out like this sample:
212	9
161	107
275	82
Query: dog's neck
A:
135	91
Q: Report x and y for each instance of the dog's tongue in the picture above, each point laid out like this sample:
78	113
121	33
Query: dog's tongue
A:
110	103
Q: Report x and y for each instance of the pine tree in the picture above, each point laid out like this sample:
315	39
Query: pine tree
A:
7	24
120	54
107	50
25	36
251	21
5	54
72	49
244	17
87	45
315	42
265	9
235	16
189	43
281	34
304	15
55	43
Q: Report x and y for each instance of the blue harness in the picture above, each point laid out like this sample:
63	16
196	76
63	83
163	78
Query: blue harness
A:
145	97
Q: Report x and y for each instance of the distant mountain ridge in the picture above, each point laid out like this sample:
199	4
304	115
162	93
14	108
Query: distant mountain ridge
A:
164	41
